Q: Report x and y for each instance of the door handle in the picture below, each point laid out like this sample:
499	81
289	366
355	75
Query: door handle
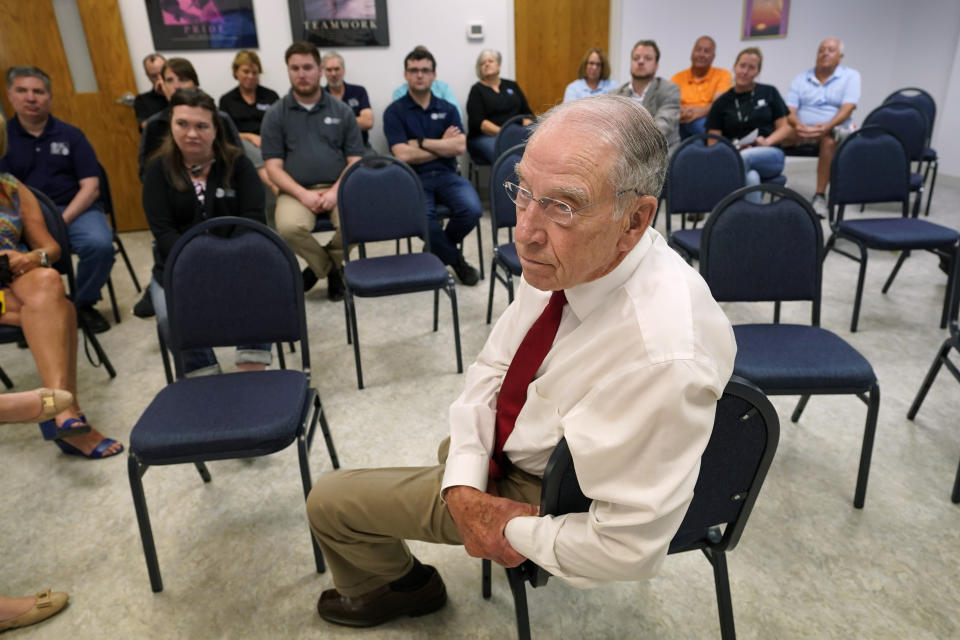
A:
127	99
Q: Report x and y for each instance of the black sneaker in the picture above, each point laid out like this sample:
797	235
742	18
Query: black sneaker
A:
309	279
144	307
92	318
467	274
334	285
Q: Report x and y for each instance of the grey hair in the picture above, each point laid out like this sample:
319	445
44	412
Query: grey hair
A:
150	57
640	149
333	54
484	54
839	43
28	72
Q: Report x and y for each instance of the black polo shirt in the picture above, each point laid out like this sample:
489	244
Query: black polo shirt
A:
737	114
246	116
405	120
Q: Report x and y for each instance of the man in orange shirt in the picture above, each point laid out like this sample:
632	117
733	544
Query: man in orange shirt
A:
700	85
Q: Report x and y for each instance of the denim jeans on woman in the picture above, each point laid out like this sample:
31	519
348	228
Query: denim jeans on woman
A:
760	163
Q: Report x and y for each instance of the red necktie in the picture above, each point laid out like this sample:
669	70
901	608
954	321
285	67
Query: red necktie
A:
523	367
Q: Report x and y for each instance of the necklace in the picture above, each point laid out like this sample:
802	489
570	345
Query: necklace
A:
197	169
736	103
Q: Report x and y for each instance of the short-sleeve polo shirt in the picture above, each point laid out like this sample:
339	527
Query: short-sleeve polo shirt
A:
404	120
53	162
357	99
818	102
699	92
314	145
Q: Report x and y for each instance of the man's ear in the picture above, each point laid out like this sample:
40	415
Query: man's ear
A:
637	217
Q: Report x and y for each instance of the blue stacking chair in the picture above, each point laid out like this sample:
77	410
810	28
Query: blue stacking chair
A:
872	165
698	177
228	281
503	215
773	252
910	124
380	198
512	133
925	102
732	469
58	229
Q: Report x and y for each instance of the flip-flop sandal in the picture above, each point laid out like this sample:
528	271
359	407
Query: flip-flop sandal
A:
70	427
100	451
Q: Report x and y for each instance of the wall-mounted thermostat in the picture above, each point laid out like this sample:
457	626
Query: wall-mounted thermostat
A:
475	31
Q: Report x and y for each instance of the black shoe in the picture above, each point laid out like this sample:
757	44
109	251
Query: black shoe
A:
467	274
144	307
383	604
334	285
92	319
309	279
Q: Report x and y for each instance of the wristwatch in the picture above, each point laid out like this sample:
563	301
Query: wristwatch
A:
420	142
44	260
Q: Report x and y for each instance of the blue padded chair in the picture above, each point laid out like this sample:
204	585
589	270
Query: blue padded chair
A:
380	198
773	252
512	132
228	281
106	201
503	215
925	102
57	229
734	464
698	177
911	125
872	165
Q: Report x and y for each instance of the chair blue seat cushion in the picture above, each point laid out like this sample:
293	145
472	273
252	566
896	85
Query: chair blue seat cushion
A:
788	358
235	415
916	181
780	180
898	233
688	240
929	155
389	275
506	254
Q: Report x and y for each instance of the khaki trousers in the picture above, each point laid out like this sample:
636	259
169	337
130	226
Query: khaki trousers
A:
361	518
295	225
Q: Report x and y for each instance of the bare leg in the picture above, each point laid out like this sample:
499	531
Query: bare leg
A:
250	366
27	406
827	147
13	607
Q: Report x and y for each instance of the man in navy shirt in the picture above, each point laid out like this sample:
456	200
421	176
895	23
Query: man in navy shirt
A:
426	132
154	101
353	95
56	158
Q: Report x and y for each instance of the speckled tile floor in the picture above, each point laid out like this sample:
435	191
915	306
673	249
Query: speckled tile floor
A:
235	554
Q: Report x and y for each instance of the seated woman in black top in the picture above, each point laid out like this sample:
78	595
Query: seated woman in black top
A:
248	101
194	176
492	102
747	108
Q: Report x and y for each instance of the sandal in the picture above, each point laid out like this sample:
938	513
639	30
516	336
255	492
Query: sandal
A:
70	427
100	451
48	603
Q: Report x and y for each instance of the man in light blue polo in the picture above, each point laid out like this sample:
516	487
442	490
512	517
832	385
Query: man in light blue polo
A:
820	101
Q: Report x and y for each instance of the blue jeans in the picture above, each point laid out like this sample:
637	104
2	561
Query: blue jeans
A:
458	195
481	147
760	163
693	127
202	361
91	238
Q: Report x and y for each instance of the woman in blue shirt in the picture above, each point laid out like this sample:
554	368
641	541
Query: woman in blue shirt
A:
593	77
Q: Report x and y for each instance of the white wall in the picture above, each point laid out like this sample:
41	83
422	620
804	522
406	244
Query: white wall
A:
441	25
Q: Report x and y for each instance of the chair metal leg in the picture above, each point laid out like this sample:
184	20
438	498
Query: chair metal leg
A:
933	181
519	589
493	282
480	251
955	496
941	359
325	430
485	578
203	471
776	311
859	295
164	356
452	292
436	309
869	431
280	359
352	321
718	559
307	485
7	382
113	300
101	354
950	296
800	407
346	319
135	471
126	260
896	268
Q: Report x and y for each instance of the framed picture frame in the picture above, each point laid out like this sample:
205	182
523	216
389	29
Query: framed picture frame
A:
202	24
340	23
765	19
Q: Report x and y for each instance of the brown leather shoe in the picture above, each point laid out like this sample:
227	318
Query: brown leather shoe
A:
382	604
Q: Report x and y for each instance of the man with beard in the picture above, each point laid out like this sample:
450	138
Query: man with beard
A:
308	140
353	95
659	96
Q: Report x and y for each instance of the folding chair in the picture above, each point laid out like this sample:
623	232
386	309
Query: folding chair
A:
925	102
503	215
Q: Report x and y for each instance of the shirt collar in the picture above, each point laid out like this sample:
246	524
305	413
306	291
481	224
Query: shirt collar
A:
50	127
293	103
812	76
412	104
584	298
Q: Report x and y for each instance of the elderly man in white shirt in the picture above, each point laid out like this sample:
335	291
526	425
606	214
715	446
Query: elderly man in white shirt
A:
640	356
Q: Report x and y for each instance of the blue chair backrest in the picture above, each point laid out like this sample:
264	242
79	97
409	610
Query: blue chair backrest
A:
381	198
58	229
700	176
761	252
870	165
231	281
917	97
503	212
511	134
905	121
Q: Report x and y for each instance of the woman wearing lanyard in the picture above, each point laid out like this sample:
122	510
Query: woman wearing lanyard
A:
249	100
754	117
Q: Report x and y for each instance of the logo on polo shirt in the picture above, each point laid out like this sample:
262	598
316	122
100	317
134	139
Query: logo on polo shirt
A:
438	116
353	102
59	149
331	120
262	107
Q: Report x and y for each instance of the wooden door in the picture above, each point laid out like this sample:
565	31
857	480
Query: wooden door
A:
551	37
29	35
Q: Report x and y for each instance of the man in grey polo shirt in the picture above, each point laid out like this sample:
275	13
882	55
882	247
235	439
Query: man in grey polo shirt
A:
308	139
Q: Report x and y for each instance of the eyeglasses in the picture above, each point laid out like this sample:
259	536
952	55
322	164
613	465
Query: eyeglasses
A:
555	210
423	70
